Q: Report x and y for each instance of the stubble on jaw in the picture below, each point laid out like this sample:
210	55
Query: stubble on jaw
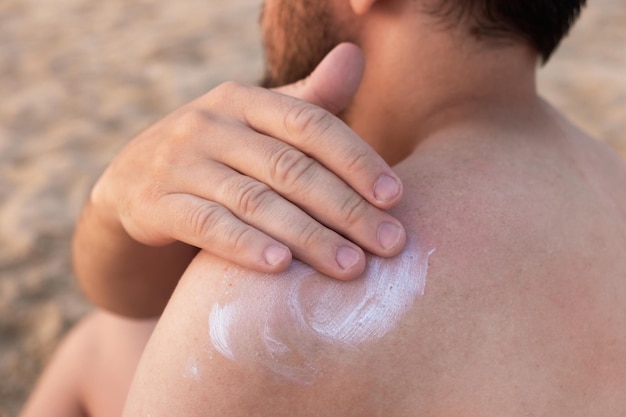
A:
297	35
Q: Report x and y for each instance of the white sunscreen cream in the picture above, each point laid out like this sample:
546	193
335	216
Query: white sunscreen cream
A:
288	322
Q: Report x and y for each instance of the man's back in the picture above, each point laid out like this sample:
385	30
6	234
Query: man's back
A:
523	311
528	314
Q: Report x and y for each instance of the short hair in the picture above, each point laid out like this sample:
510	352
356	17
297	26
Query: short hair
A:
541	23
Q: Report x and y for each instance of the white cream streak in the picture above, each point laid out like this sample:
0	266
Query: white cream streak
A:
287	322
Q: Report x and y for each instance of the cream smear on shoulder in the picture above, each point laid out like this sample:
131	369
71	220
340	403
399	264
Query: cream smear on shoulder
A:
288	322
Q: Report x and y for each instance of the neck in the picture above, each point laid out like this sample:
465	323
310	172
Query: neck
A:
421	78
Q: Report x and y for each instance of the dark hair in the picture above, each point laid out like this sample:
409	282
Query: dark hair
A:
542	23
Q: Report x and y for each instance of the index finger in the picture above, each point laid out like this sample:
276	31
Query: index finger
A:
321	135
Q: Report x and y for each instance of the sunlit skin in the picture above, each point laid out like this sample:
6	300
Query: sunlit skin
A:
524	311
525	291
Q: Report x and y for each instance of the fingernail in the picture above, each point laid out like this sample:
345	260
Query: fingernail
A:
386	188
347	257
274	255
389	235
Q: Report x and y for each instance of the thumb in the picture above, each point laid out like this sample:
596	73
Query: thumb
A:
334	82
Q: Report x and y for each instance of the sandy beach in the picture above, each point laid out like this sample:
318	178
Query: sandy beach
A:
79	78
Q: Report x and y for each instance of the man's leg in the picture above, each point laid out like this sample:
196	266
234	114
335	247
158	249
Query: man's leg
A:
92	369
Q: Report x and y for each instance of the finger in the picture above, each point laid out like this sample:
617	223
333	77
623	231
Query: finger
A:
216	230
212	227
335	81
304	182
318	134
332	86
259	206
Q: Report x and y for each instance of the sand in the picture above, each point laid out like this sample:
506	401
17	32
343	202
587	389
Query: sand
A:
79	78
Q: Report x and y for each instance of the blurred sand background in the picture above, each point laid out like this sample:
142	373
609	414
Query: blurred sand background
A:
79	78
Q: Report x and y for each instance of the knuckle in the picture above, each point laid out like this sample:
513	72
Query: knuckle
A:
306	122
247	196
225	92
148	194
188	124
227	88
212	222
184	134
312	235
239	238
290	167
205	219
357	158
354	209
250	196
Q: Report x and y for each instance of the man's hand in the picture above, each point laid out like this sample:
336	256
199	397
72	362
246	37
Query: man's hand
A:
250	175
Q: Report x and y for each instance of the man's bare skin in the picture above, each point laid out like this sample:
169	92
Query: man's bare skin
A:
524	305
126	277
212	175
524	311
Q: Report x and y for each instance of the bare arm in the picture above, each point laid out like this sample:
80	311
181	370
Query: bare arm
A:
121	274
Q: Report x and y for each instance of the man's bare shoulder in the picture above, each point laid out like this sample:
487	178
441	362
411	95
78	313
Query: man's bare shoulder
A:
482	191
514	296
527	281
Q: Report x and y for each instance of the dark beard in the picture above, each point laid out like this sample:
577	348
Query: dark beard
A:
302	33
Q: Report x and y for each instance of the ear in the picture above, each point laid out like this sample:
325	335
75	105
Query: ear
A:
360	7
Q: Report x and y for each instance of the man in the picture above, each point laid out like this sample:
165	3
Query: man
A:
520	309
